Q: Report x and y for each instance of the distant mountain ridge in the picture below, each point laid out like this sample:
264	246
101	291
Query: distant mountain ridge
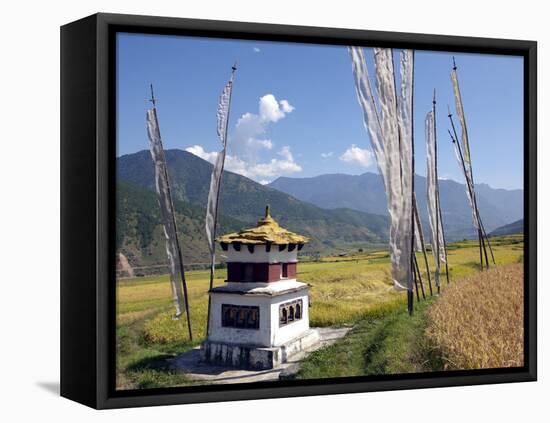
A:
510	229
337	212
242	203
366	193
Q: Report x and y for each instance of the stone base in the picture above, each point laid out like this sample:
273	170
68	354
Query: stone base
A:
255	358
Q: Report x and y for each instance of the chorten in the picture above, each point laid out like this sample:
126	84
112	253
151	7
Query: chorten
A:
260	316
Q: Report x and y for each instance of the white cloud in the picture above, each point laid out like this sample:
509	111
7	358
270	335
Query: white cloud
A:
248	138
271	110
197	150
327	155
358	155
256	171
265	143
285	105
275	167
256	50
247	144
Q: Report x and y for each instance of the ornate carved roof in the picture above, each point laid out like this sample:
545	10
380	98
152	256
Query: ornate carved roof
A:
267	230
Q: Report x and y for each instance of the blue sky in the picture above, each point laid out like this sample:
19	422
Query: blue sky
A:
294	110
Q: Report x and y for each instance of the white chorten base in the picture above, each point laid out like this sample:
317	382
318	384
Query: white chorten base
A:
262	336
258	358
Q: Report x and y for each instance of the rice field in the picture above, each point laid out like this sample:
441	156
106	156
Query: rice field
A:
478	322
344	291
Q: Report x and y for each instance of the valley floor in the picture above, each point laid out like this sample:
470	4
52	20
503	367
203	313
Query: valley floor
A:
354	290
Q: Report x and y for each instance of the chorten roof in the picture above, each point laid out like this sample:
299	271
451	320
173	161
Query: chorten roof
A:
267	230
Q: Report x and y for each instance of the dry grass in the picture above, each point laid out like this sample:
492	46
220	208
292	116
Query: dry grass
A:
478	321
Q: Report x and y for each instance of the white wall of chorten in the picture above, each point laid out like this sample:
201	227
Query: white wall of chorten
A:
220	333
270	333
283	334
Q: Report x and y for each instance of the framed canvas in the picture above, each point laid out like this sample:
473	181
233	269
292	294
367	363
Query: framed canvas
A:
259	211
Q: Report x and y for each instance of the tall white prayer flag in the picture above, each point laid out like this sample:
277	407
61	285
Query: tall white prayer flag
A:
470	193
211	219
418	231
217	171
465	162
162	186
462	119
390	132
432	192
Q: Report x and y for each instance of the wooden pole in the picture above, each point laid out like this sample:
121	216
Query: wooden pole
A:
445	250
213	258
439	218
410	297
438	203
481	232
484	248
478	217
423	245
470	189
488	243
417	270
182	272
416	283
412	184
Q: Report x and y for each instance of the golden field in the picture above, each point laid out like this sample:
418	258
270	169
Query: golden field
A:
477	323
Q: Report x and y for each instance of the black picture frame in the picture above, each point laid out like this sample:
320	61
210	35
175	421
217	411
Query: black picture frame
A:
87	206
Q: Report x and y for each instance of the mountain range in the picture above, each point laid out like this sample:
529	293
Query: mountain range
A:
510	229
366	193
242	203
337	212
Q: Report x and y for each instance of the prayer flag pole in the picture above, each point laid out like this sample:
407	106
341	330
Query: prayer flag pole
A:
211	219
440	226
164	196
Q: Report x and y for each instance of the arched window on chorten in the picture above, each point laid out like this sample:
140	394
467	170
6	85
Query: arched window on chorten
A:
283	316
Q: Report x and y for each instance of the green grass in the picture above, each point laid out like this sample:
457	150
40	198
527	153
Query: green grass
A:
354	290
383	343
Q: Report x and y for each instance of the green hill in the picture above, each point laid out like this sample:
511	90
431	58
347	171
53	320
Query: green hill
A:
140	236
242	203
510	229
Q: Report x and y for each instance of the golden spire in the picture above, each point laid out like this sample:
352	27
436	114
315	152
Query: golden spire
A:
267	220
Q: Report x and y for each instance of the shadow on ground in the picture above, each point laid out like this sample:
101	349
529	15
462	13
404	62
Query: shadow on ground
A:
51	387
